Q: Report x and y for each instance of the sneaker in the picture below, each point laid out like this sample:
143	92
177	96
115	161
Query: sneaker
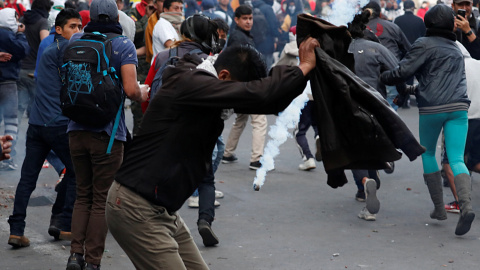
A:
307	165
75	262
18	241
360	196
193	202
218	194
364	214
8	165
318	153
45	164
62	175
452	207
91	266
371	200
255	165
391	167
230	159
209	238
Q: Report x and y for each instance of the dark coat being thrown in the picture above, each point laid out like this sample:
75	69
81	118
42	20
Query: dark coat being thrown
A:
357	127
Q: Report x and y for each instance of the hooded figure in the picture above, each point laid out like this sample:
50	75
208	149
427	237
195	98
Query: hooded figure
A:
8	20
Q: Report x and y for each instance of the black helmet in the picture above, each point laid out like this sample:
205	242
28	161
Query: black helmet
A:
202	30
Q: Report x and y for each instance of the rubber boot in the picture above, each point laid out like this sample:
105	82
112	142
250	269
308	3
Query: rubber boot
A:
462	184
434	184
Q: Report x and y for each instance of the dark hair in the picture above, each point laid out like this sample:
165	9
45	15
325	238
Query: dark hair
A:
66	14
243	10
243	62
222	24
168	3
42	4
70	4
358	25
375	7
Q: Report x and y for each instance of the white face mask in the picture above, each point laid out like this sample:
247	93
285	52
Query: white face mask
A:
291	9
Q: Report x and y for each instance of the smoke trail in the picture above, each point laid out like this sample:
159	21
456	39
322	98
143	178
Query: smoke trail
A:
343	12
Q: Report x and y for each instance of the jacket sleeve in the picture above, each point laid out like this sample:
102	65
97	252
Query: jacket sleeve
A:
407	67
403	43
269	95
18	47
474	48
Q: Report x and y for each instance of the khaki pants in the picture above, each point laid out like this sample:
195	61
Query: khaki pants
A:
259	126
151	237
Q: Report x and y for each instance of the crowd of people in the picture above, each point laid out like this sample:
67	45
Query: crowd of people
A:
187	66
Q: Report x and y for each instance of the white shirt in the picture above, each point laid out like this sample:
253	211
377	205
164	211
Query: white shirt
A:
473	82
162	32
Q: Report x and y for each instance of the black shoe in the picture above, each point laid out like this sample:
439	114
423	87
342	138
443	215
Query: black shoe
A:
231	159
54	231
255	165
76	262
205	230
391	168
360	196
91	266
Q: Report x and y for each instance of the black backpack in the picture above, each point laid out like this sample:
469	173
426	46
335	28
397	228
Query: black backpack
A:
259	30
171	61
92	93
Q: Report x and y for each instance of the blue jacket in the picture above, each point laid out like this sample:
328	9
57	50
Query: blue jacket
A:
267	46
44	44
17	46
46	106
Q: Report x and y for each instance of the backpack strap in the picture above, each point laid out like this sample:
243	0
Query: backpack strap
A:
115	126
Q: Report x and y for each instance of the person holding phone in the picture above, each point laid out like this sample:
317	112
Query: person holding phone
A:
466	27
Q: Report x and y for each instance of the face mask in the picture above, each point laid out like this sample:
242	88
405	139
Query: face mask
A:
221	43
291	9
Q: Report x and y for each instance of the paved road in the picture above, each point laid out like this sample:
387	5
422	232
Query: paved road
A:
296	221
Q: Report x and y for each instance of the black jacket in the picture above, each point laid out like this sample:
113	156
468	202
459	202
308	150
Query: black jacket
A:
411	25
358	129
240	37
172	152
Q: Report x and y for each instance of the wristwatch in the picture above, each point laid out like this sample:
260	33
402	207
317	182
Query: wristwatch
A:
469	33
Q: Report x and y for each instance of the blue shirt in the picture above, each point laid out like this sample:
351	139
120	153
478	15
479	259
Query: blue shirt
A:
123	53
46	106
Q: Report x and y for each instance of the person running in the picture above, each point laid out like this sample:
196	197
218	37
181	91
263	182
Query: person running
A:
443	103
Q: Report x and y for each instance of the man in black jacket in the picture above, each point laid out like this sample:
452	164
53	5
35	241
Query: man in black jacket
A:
411	25
466	27
164	165
244	22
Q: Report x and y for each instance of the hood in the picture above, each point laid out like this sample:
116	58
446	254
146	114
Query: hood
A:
7	19
440	17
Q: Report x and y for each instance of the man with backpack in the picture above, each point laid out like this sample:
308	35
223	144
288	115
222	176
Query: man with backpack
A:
47	131
97	150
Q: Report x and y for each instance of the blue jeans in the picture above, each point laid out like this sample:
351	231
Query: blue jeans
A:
307	119
40	140
8	105
391	94
206	189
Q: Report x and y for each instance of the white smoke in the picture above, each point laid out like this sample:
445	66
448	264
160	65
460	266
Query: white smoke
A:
343	12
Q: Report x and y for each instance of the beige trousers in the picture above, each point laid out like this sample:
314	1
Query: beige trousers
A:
259	126
151	237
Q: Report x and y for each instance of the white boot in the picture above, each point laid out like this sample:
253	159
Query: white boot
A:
307	165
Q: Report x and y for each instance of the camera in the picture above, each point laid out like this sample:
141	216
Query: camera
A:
461	12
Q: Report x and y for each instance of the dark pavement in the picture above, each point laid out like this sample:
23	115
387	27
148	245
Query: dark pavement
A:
295	222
